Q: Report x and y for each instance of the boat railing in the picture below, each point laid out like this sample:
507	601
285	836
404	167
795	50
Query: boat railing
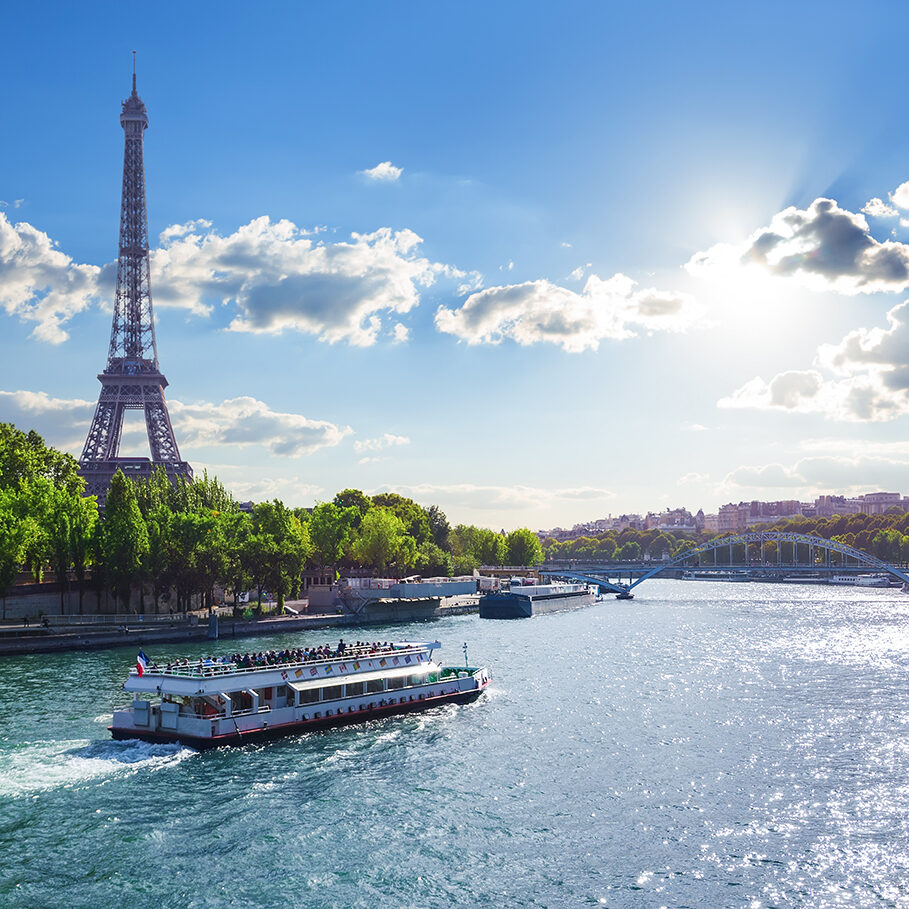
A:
201	670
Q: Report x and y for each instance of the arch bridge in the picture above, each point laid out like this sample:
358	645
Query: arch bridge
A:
834	558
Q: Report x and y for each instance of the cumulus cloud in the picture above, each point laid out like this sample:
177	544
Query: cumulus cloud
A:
900	196
246	421
385	172
273	275
63	422
539	311
823	247
280	278
39	283
869	381
386	440
878	208
240	421
813	475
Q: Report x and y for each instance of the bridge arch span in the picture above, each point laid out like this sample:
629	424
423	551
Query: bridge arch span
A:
761	537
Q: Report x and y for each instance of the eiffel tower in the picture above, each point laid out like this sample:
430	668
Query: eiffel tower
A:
132	379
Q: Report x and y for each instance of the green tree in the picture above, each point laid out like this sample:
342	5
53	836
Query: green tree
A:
439	528
125	537
158	565
414	516
380	540
523	547
83	524
353	498
277	548
330	528
16	534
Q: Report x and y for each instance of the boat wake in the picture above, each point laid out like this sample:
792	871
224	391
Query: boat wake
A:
43	766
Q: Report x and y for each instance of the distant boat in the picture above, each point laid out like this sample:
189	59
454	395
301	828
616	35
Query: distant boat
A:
521	601
721	575
860	580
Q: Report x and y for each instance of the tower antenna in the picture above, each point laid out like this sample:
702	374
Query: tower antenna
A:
134	72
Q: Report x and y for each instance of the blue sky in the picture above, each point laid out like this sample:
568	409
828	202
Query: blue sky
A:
535	263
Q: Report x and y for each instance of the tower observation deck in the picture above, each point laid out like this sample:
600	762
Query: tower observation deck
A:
132	379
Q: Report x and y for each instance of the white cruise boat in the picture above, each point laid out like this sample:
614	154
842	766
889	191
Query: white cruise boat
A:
861	580
245	698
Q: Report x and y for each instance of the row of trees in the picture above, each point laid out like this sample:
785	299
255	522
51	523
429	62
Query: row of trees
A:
885	536
172	542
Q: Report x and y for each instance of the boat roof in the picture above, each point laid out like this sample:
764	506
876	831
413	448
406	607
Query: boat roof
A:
397	672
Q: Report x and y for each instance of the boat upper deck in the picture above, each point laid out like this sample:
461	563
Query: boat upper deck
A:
347	658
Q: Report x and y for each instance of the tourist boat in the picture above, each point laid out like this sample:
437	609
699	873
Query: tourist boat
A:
226	701
861	580
521	601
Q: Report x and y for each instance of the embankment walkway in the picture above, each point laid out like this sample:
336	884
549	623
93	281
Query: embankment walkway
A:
60	637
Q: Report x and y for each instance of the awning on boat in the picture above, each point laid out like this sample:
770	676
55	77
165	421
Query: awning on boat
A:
396	673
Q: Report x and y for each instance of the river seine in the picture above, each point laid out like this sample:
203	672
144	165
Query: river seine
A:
706	745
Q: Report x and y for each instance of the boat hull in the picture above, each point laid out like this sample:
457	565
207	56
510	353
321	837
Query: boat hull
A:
266	732
516	606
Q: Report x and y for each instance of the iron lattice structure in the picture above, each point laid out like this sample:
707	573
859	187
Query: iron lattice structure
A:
132	379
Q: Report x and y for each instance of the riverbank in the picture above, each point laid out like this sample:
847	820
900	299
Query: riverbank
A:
19	640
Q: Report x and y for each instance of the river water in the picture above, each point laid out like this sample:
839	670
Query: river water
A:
704	745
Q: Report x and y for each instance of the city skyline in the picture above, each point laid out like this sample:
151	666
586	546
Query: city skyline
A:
559	264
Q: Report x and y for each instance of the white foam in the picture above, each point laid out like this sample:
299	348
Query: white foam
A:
41	766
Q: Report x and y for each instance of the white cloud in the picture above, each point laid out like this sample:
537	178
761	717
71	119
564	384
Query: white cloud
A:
566	245
385	172
823	247
238	421
811	476
497	499
40	284
246	421
400	333
870	381
900	196
539	311
386	440
693	478
293	491
63	422
275	276
878	208
694	427
280	279
578	273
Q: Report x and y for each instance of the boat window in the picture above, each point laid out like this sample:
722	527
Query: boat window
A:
309	696
375	685
333	692
354	688
396	682
280	692
416	679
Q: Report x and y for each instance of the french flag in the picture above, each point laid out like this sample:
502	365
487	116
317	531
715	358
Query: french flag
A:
141	662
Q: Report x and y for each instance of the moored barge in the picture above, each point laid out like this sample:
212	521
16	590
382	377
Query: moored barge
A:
224	701
522	601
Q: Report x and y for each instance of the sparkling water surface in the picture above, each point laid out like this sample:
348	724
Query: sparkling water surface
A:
705	745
